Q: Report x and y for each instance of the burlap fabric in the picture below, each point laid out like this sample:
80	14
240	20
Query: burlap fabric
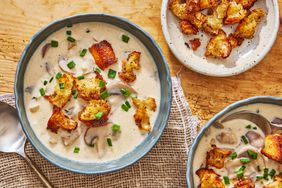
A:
163	166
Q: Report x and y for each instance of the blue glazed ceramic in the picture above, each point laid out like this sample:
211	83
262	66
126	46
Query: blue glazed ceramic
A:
165	104
252	100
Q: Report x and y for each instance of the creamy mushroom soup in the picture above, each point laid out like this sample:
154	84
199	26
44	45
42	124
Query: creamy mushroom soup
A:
236	153
92	92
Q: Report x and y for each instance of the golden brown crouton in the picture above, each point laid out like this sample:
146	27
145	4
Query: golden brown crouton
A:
218	46
273	147
141	115
277	183
233	41
209	179
216	157
244	183
247	27
195	43
247	4
193	6
95	113
128	66
60	120
204	4
90	88
103	54
235	13
187	28
197	19
62	92
178	8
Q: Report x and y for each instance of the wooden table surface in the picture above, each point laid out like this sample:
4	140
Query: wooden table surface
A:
21	19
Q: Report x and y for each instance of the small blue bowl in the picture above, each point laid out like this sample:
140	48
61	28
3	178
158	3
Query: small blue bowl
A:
252	100
165	103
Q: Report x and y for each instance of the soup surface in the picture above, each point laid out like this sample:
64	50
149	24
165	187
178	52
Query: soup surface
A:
94	56
232	151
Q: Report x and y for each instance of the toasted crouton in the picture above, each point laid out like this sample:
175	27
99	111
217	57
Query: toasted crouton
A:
90	88
247	4
208	179
216	157
244	183
128	66
197	19
204	4
103	54
62	92
195	43
277	183
141	115
235	13
273	147
187	28
218	46
247	27
60	120
178	8
89	115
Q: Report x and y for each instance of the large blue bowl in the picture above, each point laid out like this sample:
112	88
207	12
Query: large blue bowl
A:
165	103
252	100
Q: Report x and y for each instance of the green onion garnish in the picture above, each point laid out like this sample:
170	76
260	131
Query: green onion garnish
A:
259	177
265	173
125	107
255	128
125	92
125	38
76	150
58	75
226	180
240	172
112	73
109	141
69	25
42	92
127	104
244	139
99	115
252	154
71	39
104	94
51	79
71	65
245	160
62	85
233	155
54	43
98	70
45	82
116	128
80	77
101	84
272	173
83	52
68	32
74	94
248	127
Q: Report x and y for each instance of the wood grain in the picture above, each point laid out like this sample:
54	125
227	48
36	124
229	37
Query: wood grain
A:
20	19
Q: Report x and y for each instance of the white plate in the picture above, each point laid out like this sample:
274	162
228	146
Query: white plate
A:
242	58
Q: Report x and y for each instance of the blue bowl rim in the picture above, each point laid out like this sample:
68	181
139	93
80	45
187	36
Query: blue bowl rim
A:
227	109
168	79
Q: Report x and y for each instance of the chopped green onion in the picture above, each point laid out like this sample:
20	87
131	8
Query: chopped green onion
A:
68	32
259	177
248	127
255	128
58	75
99	115
240	172
101	84
98	70
83	52
74	94
76	150
71	39
272	173
265	173
51	79
71	65
109	141
54	43
252	154
112	73
69	25
62	85
133	95
104	94
125	38
116	128
127	104
80	77
45	82
244	139
125	92
233	155
42	92
125	107
226	180
245	160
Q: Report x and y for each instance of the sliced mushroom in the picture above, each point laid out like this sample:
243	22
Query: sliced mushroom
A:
276	125
45	49
218	125
81	68
33	105
255	139
226	137
69	138
29	89
115	88
48	68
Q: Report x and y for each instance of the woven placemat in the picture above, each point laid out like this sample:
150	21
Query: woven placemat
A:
163	166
